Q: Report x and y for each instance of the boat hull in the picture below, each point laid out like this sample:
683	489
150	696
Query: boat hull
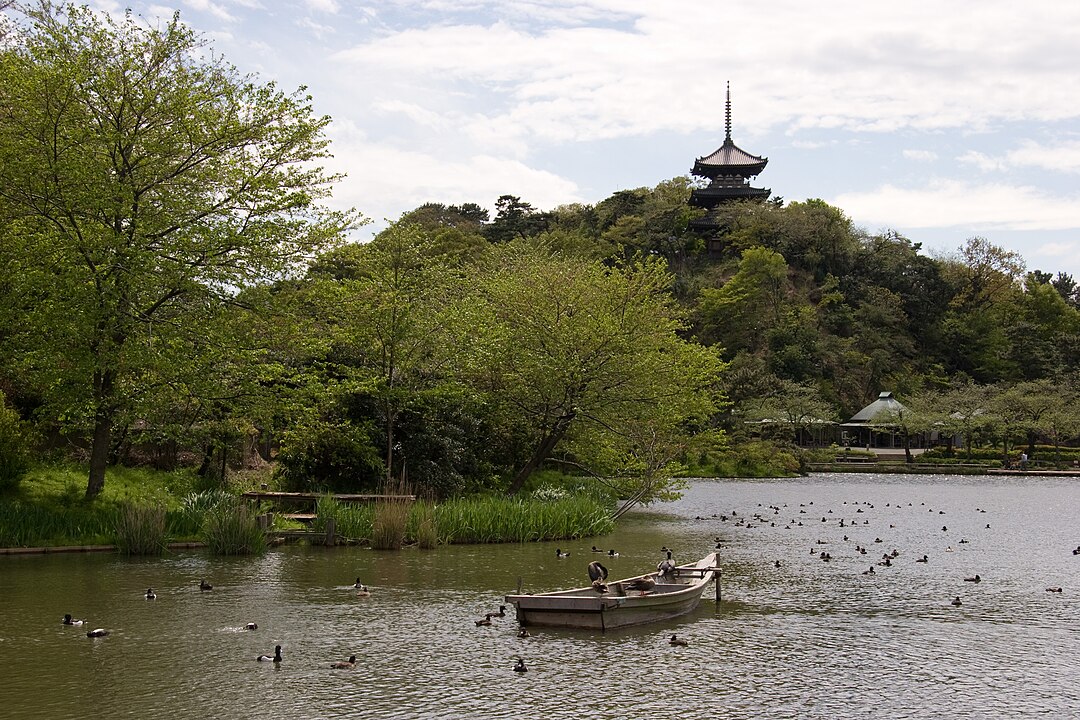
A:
587	609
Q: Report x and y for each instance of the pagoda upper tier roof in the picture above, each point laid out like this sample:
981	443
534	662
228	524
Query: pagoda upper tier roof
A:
729	159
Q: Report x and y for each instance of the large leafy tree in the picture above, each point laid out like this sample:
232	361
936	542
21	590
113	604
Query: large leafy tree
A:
143	182
588	358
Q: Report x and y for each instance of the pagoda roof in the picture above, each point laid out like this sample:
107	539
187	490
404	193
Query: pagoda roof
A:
713	195
731	157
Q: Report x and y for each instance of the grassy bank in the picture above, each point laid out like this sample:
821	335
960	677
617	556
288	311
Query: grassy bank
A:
140	510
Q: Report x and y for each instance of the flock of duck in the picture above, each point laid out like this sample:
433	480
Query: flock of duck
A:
768	518
362	591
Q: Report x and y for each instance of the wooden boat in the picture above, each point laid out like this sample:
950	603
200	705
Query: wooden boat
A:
670	596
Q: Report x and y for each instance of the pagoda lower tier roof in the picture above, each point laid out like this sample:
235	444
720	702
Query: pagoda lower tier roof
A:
714	195
729	159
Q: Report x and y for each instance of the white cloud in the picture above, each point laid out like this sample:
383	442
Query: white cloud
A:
325	6
953	203
385	181
920	155
211	8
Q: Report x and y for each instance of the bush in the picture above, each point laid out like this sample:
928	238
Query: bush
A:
14	448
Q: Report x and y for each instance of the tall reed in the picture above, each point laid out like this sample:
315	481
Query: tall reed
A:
140	529
231	528
424	526
351	520
391	517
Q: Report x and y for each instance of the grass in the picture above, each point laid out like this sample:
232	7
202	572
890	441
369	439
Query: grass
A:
48	508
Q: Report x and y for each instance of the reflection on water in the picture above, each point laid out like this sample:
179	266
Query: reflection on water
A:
810	639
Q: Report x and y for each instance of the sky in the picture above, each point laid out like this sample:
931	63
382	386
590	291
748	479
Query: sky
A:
937	120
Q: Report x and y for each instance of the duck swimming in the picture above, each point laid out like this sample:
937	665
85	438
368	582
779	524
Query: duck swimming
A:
68	620
345	664
276	657
485	622
676	640
99	632
973	579
203	585
523	633
150	594
612	553
924	558
251	626
560	554
596	549
519	666
956	601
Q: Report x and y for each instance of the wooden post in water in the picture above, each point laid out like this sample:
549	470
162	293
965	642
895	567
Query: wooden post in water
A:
717	580
331	534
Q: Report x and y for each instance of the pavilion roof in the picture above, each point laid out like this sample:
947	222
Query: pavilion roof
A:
885	404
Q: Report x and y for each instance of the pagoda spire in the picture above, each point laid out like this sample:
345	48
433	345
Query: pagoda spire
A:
727	115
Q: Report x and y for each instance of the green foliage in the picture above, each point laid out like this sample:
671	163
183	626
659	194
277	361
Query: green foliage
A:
166	183
14	448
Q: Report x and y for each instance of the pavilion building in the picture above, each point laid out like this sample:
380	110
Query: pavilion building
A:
728	169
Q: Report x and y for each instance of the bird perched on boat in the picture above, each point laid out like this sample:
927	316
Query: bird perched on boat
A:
675	640
344	664
251	626
974	579
68	620
666	566
99	632
276	657
519	666
598	574
560	554
641	584
523	633
150	594
956	601
204	586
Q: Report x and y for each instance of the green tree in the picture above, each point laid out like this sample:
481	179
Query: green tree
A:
145	182
573	349
738	314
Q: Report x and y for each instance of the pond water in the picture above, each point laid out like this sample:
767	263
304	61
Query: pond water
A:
810	639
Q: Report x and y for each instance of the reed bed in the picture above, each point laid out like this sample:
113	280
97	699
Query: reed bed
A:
141	529
28	524
231	528
491	519
391	520
425	527
351	520
480	519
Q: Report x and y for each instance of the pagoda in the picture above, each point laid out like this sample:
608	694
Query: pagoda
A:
728	169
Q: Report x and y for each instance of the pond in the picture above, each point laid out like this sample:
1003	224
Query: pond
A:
807	639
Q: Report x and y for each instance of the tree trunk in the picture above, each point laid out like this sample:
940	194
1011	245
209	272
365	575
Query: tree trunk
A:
555	434
103	421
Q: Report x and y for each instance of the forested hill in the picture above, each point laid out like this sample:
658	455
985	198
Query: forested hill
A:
796	293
